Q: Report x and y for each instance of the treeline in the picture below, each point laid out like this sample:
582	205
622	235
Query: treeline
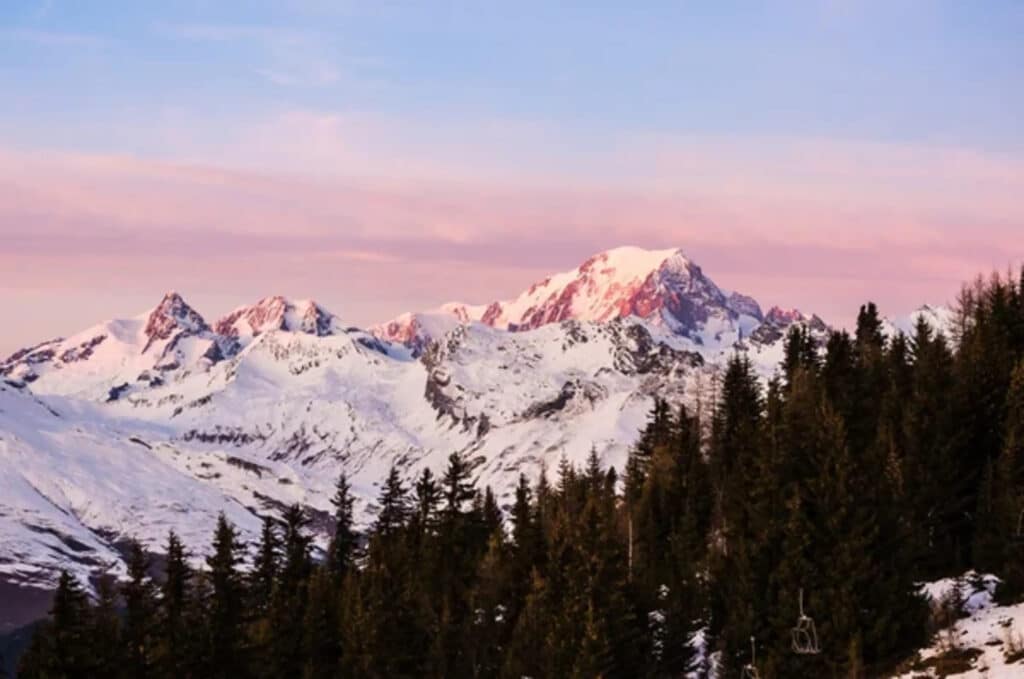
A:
864	468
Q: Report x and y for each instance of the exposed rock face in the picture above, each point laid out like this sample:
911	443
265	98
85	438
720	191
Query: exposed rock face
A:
662	287
171	316
777	323
173	341
276	313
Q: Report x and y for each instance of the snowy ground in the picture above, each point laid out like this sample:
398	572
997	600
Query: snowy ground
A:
988	643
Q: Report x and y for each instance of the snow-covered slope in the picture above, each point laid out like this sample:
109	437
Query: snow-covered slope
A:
940	318
97	363
72	487
284	410
986	643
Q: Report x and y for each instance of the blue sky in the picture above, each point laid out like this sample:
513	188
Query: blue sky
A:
387	156
936	72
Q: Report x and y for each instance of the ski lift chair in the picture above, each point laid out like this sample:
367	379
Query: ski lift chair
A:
750	669
805	635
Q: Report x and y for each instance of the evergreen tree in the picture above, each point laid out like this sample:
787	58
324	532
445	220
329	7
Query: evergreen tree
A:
321	643
1006	507
394	505
736	438
490	628
265	568
288	602
396	624
799	352
424	520
342	551
139	595
105	633
61	646
459	542
225	649
177	645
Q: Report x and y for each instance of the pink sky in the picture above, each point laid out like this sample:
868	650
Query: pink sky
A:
373	218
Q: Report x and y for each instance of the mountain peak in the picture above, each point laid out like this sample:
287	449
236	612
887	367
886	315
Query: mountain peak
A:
629	260
276	313
171	314
663	287
784	317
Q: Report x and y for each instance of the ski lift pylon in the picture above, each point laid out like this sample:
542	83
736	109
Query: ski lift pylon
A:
1018	537
805	635
750	669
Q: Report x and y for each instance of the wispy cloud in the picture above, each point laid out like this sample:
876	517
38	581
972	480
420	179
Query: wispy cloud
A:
47	38
230	33
293	58
364	210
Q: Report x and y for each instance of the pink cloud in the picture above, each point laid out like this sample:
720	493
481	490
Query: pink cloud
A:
374	218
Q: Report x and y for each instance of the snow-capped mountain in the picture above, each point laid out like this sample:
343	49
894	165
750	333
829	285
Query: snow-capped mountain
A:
98	362
161	421
663	288
940	318
277	313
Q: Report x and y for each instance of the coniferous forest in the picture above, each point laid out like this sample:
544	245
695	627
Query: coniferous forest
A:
797	517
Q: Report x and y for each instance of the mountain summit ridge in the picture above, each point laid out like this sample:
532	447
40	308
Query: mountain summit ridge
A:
665	288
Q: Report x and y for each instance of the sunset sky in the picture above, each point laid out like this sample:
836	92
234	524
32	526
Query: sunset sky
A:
389	156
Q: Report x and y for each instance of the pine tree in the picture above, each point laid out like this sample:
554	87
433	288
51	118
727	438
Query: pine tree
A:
799	352
736	440
224	652
139	595
424	519
290	596
525	531
61	646
459	542
396	624
490	628
457	487
1008	491
526	655
490	515
105	633
265	567
342	551
296	564
394	505
176	644
321	647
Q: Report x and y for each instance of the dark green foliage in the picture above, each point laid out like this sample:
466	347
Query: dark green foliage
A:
106	630
321	649
394	505
225	643
342	550
179	629
139	595
62	647
289	598
265	567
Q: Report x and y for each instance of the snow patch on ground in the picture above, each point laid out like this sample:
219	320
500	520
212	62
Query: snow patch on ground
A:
988	643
